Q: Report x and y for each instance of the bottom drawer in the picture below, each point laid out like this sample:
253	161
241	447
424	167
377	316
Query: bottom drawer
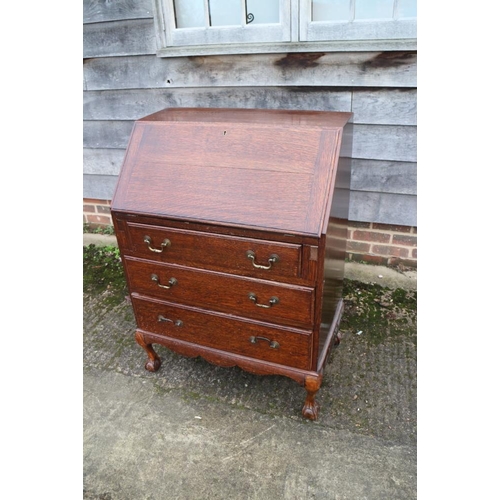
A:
285	346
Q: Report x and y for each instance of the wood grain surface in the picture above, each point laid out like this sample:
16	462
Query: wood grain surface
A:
264	169
230	334
226	293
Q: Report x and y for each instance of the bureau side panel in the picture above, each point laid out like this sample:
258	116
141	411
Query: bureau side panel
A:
333	276
335	245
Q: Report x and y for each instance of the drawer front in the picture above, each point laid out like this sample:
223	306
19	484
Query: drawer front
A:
277	345
217	252
262	300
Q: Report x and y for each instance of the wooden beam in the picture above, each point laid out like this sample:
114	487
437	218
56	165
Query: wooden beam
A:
361	69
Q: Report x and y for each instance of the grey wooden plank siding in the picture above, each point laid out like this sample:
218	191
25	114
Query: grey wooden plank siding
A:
124	80
95	11
99	187
385	107
102	162
119	38
386	208
106	134
132	104
361	69
370	106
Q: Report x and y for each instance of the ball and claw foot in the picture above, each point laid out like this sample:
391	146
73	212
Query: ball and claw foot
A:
154	362
153	365
310	409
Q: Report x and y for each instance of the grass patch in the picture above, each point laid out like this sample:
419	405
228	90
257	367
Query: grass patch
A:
88	228
103	272
378	312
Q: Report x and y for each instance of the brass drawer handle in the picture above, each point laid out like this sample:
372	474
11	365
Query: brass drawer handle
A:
162	319
272	343
272	301
272	259
165	243
171	281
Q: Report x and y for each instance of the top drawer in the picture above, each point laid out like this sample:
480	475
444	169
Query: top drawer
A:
243	256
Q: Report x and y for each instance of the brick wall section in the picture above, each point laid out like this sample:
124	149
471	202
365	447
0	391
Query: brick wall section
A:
96	213
370	242
383	244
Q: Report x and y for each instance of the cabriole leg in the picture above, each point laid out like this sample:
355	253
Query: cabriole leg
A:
154	362
311	406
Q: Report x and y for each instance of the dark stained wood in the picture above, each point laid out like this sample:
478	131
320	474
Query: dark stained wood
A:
224	358
154	362
269	173
310	409
225	333
223	292
216	252
222	230
257	117
200	191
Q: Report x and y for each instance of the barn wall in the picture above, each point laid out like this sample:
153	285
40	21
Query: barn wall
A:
125	80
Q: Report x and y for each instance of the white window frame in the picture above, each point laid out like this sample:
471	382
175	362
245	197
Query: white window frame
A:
295	33
383	29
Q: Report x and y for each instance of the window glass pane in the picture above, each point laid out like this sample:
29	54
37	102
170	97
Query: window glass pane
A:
374	9
189	13
225	12
407	8
330	10
263	11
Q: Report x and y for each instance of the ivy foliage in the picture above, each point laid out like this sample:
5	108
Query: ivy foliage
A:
103	271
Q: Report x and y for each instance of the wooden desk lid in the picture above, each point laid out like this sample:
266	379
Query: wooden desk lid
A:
262	169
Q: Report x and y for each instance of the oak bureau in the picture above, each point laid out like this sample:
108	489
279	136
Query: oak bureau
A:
232	227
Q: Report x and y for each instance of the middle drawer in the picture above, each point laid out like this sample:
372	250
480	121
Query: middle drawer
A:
231	294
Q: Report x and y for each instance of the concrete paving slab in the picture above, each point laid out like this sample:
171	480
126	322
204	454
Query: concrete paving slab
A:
99	240
381	275
140	443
